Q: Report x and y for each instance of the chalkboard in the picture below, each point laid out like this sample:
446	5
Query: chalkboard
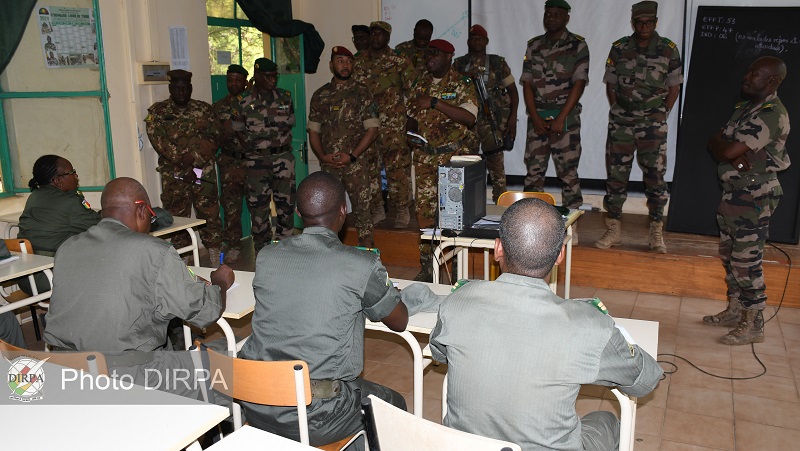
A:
726	40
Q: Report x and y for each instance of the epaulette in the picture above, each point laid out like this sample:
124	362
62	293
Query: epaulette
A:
741	104
669	43
579	37
149	118
620	42
530	41
241	95
596	302
398	52
767	105
466	80
459	283
374	250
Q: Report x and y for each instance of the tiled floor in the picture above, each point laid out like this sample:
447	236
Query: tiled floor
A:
689	410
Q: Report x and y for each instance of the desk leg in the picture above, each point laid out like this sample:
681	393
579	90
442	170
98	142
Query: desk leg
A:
438	252
568	266
486	274
419	365
195	253
229	337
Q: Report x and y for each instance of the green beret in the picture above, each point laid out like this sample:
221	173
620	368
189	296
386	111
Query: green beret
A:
557	4
265	65
237	69
644	9
179	75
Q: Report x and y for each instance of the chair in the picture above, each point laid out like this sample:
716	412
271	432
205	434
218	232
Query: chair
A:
390	429
93	363
24	246
509	197
283	383
627	416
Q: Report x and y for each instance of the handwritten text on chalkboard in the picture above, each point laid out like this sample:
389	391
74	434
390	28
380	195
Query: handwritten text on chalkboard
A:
723	28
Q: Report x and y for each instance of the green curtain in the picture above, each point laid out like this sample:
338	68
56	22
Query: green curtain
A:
274	17
13	21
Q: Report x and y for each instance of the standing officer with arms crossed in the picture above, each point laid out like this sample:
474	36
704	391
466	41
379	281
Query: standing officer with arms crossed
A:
643	79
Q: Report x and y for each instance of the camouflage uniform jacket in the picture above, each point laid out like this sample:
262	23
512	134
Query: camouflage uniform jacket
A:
417	56
340	113
641	77
496	77
553	67
174	130
267	119
231	146
764	128
435	126
388	77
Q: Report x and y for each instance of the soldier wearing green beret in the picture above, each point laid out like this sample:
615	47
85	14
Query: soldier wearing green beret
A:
231	162
186	134
264	115
555	72
643	79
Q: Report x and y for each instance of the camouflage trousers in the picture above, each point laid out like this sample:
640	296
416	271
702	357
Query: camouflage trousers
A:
271	177
426	175
178	197
356	179
566	152
649	141
495	162
743	218
391	153
234	187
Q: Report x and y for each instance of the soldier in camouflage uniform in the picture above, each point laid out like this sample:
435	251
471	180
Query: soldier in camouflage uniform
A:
415	49
751	150
231	163
342	123
440	112
388	75
360	38
555	72
265	115
503	100
643	79
186	133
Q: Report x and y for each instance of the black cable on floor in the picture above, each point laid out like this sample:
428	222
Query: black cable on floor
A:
752	345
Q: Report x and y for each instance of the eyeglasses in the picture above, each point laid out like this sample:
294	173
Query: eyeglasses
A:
643	23
72	172
152	213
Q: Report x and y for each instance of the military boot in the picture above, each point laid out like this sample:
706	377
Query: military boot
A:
426	273
378	214
749	330
402	219
612	235
213	256
728	317
656	238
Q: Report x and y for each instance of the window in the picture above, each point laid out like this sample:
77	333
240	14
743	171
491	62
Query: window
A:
231	37
53	98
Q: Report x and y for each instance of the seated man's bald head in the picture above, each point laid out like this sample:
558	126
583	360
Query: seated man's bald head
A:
320	197
122	193
532	234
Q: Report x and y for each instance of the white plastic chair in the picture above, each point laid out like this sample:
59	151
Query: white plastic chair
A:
393	429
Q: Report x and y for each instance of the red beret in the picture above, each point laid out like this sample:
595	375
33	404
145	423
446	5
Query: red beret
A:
340	50
441	44
478	30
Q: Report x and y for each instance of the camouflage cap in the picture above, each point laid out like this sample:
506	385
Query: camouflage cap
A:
237	69
265	65
382	25
477	30
442	45
557	4
644	9
340	50
359	29
179	75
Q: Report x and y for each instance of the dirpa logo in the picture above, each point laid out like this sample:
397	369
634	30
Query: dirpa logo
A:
26	379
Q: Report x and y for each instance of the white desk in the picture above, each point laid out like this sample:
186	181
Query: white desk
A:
11	221
461	246
187	224
135	419
26	265
248	437
239	303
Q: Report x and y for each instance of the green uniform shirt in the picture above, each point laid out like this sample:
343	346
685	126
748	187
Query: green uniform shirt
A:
51	216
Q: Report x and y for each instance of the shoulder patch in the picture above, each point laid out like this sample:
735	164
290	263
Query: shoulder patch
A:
579	37
530	41
465	79
609	62
767	106
149	118
620	42
668	42
459	283
740	104
596	302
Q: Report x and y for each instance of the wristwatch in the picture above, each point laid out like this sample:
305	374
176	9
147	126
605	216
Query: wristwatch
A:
353	158
434	101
